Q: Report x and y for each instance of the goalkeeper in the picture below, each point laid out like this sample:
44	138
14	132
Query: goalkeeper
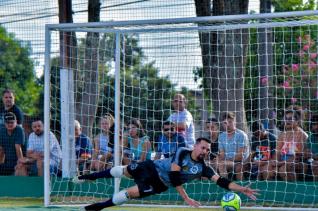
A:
154	177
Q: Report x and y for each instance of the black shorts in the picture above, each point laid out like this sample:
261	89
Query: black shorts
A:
146	177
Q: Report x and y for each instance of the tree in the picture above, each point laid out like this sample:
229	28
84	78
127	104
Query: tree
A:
88	91
296	62
144	94
293	5
17	72
265	70
223	83
271	66
67	39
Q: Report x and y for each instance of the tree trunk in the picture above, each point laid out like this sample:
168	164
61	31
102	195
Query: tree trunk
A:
265	70
68	39
68	55
88	99
224	58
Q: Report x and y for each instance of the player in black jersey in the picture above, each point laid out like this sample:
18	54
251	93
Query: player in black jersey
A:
154	177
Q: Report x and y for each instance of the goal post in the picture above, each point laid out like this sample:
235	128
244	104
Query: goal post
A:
257	66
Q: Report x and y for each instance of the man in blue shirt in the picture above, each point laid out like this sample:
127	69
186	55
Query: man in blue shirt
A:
154	177
83	148
169	141
234	147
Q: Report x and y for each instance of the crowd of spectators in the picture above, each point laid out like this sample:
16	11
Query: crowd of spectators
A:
254	154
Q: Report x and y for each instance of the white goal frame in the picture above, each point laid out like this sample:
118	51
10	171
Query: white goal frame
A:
121	27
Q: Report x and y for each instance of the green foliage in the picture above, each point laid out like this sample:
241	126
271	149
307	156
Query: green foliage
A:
17	72
293	5
144	93
298	81
251	76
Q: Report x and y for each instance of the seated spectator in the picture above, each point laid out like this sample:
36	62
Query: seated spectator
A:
104	144
263	148
35	152
290	148
137	144
9	106
83	148
233	148
212	133
169	141
312	147
212	130
11	142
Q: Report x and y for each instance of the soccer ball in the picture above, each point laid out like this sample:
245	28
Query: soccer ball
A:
231	202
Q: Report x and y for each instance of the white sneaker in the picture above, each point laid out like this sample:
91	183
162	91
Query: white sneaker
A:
78	181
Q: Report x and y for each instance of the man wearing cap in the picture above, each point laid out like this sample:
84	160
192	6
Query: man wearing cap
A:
11	141
9	106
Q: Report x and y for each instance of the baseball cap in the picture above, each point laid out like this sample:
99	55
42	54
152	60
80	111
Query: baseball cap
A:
9	117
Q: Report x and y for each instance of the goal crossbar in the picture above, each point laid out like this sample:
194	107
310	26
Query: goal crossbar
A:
204	19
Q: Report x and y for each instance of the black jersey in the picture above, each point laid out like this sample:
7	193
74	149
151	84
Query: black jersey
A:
190	169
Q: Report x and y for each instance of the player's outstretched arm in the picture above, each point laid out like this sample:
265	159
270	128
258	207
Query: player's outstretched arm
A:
186	198
227	184
175	180
246	190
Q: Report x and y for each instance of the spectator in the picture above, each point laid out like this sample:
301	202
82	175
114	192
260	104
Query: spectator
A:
263	148
212	133
11	141
290	148
9	106
169	141
183	119
233	147
312	146
137	144
83	148
104	144
35	152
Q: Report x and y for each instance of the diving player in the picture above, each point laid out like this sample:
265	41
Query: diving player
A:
154	177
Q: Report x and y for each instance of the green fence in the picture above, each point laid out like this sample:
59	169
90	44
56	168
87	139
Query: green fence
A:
278	192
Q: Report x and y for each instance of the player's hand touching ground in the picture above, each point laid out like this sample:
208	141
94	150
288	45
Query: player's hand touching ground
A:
251	193
192	202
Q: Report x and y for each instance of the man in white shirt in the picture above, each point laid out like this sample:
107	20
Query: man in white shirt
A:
35	150
183	119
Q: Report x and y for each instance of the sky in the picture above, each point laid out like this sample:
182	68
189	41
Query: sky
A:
175	56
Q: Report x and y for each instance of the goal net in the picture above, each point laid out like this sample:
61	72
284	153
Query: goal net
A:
107	75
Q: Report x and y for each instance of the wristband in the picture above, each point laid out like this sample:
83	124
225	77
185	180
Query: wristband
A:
175	178
223	183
